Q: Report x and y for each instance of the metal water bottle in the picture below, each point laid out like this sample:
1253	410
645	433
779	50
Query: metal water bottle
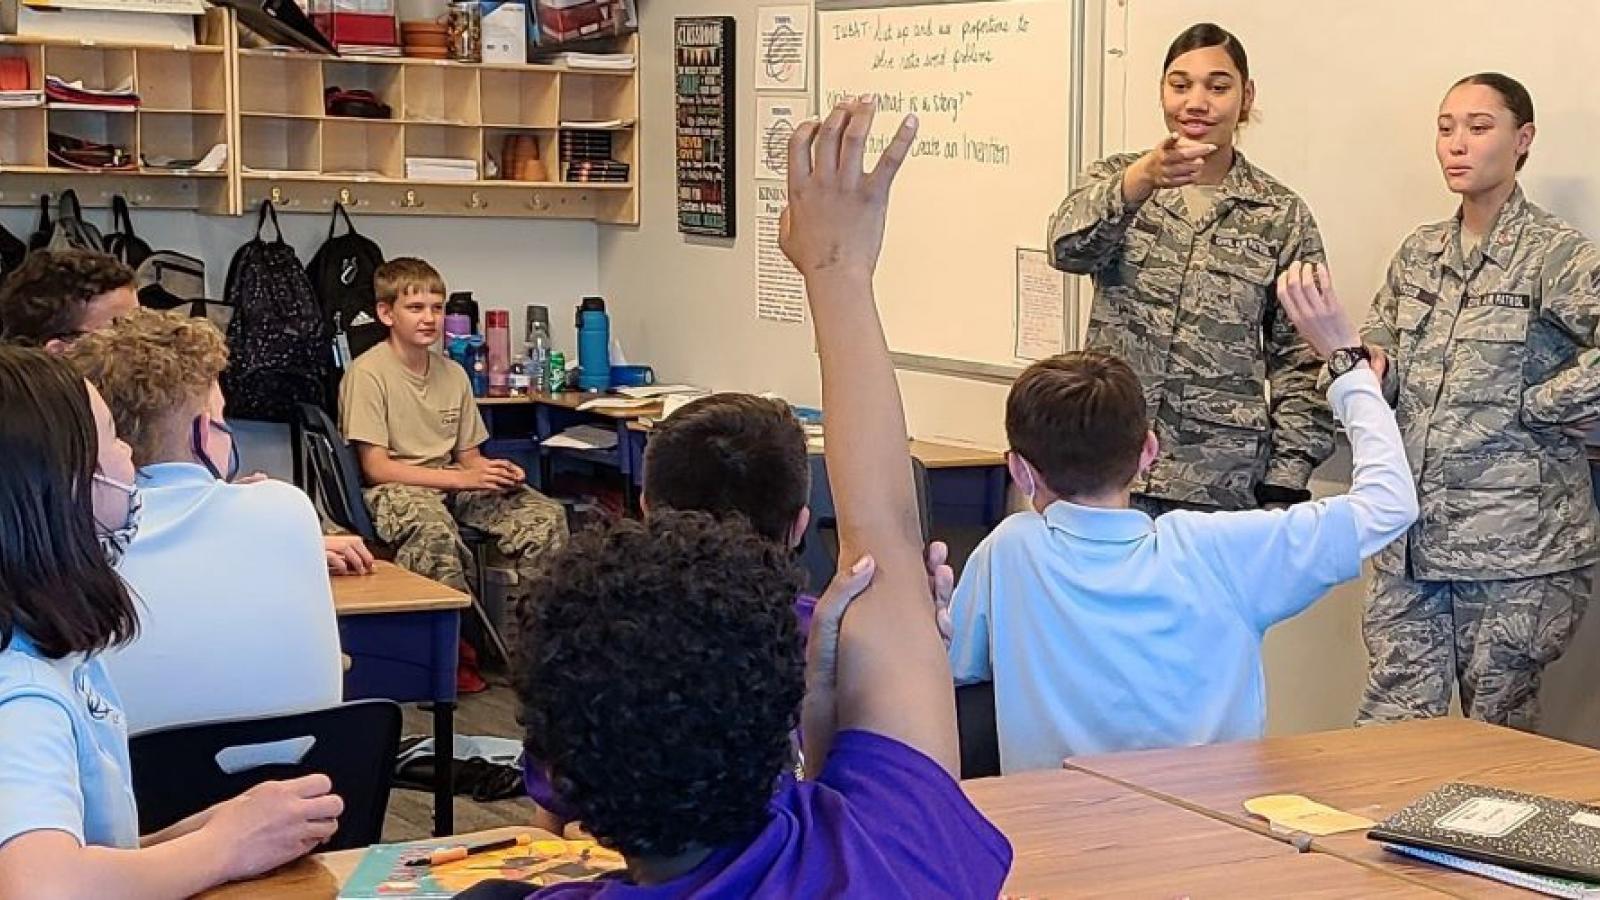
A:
594	345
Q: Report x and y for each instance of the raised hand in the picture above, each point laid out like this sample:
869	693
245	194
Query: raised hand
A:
1305	291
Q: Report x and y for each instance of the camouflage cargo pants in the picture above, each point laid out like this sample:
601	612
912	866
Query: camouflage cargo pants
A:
421	525
1491	639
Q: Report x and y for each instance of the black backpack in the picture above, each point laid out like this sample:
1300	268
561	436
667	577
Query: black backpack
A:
68	231
122	242
12	252
277	345
341	274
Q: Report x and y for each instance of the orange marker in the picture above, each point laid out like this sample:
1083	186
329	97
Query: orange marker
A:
451	854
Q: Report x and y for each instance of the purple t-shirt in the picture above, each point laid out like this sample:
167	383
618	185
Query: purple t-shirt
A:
544	794
883	821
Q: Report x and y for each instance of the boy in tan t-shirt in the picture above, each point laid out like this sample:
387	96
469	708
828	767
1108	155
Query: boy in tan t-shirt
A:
409	412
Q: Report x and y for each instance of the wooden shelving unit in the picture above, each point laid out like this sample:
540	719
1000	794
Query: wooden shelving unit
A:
184	112
303	159
267	107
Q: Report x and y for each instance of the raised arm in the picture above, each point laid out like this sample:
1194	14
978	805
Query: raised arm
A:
893	677
1302	425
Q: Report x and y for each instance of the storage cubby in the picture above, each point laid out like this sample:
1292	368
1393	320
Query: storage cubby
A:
281	145
279	84
22	142
528	98
180	136
362	148
444	141
95	68
382	79
441	93
494	148
182	81
119	128
591	97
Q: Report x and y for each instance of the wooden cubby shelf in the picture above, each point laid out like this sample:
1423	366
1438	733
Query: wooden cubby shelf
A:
266	106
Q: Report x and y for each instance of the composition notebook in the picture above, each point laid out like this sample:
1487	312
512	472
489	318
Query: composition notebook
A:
384	875
1517	831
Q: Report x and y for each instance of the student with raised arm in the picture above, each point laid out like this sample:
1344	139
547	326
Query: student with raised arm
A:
1184	244
1105	630
664	665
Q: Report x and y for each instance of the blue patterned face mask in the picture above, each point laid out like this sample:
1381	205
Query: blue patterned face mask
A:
114	540
198	444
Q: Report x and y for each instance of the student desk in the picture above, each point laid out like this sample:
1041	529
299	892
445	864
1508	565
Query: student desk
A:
319	877
523	423
1372	771
1075	835
400	632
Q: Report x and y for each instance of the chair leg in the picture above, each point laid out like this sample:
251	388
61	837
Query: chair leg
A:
481	609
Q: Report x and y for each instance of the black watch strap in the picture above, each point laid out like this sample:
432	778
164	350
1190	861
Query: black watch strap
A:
1344	359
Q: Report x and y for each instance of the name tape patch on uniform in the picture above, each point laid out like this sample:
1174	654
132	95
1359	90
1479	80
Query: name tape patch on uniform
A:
1500	300
1413	292
1245	242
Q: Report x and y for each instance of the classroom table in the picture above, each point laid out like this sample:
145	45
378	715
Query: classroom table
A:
400	632
1371	771
319	877
1075	835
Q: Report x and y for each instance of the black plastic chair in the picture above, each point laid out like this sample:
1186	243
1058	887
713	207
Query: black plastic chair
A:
819	551
182	770
333	478
976	730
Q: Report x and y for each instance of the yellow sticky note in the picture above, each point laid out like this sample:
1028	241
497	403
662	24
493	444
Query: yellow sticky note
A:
1292	812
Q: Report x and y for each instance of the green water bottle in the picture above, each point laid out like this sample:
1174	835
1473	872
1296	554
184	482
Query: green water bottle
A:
558	371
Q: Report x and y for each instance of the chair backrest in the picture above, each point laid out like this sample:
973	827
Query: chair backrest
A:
333	474
819	552
182	770
976	729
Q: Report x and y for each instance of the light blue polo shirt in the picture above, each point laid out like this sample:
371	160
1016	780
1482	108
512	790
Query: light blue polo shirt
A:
63	750
1103	630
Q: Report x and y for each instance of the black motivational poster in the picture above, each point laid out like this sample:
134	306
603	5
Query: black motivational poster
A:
703	48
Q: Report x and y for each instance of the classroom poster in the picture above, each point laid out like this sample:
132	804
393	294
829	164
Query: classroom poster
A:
1041	306
780	292
703	48
776	119
783	48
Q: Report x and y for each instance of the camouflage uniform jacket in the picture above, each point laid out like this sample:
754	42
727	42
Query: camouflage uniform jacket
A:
1489	356
1192	307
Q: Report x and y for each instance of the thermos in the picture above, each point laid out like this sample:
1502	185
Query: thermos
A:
594	345
497	332
460	315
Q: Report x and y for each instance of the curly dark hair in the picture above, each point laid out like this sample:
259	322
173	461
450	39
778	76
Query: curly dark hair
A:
45	297
731	453
662	676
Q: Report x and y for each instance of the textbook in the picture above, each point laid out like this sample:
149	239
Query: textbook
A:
384	872
1524	832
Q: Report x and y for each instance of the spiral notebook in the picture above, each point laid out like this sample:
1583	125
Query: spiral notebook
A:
1524	833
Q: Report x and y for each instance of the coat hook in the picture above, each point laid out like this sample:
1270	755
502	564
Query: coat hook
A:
346	197
537	202
410	200
275	195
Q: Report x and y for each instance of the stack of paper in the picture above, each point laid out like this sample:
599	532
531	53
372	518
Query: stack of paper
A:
622	61
19	99
583	437
432	168
65	94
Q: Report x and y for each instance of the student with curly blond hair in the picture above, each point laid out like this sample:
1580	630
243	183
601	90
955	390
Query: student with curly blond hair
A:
232	576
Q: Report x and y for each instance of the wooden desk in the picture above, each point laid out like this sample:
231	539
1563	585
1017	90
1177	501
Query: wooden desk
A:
572	400
391	589
319	877
1075	835
1371	771
400	632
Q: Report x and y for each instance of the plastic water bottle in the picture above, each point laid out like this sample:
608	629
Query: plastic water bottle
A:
497	333
478	371
538	349
594	345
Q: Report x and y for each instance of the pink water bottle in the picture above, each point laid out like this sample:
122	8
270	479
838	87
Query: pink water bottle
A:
497	329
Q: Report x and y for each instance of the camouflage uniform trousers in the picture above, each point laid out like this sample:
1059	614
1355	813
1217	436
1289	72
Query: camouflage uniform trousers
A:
421	525
1493	639
1156	507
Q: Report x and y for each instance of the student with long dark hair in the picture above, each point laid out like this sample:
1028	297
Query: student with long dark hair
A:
68	823
1184	244
1490	318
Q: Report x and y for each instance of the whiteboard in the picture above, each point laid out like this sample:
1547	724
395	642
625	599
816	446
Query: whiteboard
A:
1347	92
990	83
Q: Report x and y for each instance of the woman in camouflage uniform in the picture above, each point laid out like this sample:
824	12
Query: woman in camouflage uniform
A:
1184	244
1489	319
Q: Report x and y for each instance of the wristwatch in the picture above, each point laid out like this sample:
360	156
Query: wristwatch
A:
1344	359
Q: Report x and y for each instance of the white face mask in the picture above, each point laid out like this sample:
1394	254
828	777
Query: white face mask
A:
114	540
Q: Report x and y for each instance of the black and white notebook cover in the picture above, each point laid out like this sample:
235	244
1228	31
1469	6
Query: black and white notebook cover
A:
1508	828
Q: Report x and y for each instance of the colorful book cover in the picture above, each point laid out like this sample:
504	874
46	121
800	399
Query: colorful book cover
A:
384	875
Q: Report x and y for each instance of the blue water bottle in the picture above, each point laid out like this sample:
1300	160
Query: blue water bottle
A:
594	345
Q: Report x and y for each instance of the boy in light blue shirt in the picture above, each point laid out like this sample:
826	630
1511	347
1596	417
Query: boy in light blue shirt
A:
1105	630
